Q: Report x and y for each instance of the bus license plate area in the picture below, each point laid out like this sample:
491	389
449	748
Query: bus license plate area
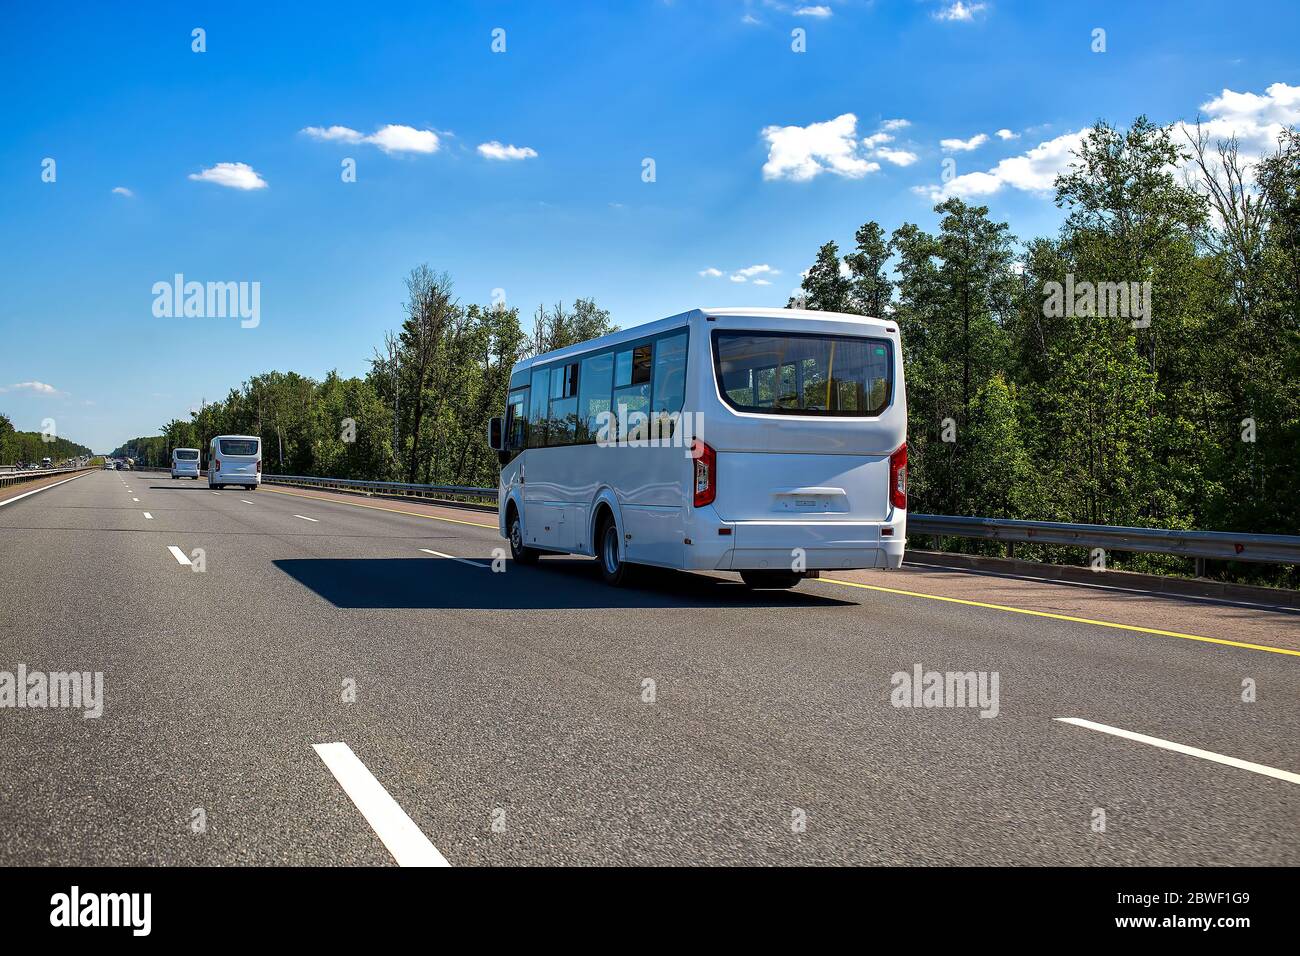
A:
806	504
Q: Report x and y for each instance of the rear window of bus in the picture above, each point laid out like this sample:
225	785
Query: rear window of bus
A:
186	454
799	373
238	446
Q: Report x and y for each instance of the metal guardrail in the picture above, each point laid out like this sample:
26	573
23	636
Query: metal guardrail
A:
1197	545
444	492
31	474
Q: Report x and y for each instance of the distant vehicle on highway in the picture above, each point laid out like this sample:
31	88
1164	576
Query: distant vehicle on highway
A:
771	442
235	460
47	463
108	465
185	463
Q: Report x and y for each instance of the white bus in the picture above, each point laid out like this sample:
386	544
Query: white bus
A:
235	460
771	442
185	463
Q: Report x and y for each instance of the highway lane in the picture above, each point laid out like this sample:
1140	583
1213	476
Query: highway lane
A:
518	697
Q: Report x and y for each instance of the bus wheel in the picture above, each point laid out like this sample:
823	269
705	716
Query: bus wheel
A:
769	580
612	566
520	552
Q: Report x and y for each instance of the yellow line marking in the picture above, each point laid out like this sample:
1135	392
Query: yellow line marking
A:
396	511
1067	617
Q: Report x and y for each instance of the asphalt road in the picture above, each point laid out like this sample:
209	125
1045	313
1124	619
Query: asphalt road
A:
508	714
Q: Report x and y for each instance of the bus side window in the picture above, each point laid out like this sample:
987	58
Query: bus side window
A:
517	420
538	400
594	385
562	423
632	391
669	381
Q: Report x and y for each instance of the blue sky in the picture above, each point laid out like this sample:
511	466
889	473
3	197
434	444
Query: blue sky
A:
755	162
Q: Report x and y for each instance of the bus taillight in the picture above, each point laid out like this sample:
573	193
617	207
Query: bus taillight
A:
898	477
706	468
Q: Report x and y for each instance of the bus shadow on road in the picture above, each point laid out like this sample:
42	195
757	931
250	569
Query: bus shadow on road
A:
554	584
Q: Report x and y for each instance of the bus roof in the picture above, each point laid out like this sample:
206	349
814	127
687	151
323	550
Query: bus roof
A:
649	329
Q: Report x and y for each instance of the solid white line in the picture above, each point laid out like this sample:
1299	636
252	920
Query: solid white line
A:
38	490
305	518
148	515
409	846
472	564
178	554
245	501
216	492
1260	768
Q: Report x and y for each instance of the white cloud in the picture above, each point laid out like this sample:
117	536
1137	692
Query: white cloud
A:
801	153
1005	134
39	388
963	145
899	157
339	134
122	191
1034	171
750	19
821	12
1254	119
960	12
495	150
875	144
740	275
393	138
743	275
234	175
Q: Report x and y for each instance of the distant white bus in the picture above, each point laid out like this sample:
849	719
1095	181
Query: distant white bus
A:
185	463
771	442
235	460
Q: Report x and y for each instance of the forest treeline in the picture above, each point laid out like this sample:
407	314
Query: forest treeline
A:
420	412
1140	367
28	447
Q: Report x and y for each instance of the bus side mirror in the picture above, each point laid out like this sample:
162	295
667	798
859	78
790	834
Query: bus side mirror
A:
496	434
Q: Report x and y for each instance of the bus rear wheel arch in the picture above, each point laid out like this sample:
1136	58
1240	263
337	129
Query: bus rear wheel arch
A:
609	549
520	552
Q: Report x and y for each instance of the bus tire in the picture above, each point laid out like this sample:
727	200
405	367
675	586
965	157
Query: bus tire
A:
770	580
520	552
609	554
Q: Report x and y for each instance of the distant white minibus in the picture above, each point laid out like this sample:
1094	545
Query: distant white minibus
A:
771	442
185	463
235	460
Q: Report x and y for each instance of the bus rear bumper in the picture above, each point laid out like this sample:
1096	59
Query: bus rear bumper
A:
814	546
